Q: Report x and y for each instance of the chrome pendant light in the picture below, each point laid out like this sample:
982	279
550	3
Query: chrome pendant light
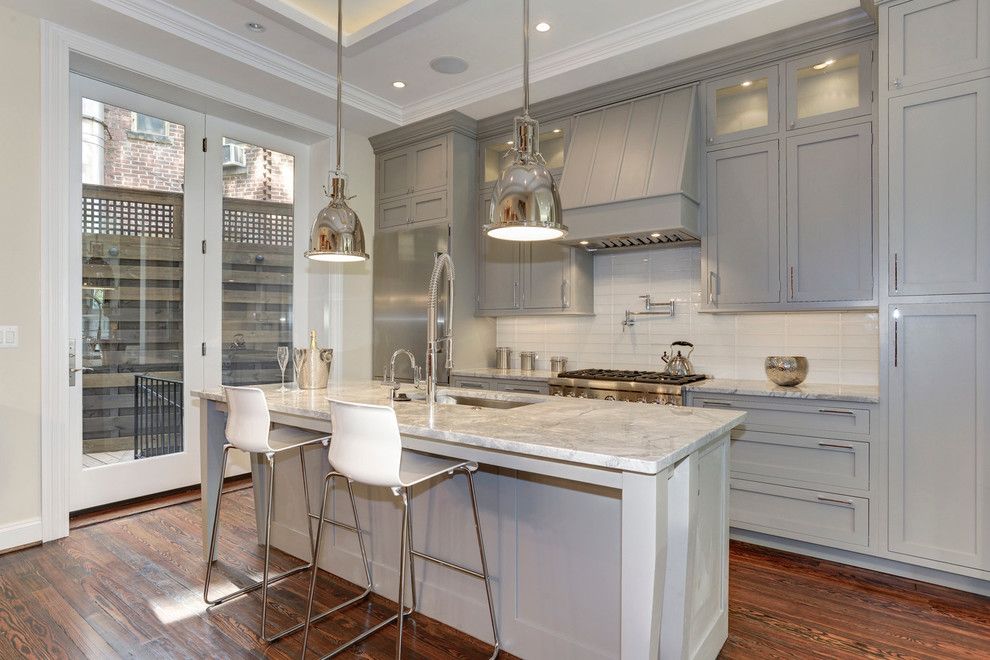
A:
525	203
337	234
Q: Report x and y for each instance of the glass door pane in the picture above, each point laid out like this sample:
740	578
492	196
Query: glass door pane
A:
743	105
257	255
133	181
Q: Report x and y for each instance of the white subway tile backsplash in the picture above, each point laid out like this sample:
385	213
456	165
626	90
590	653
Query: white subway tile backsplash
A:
842	347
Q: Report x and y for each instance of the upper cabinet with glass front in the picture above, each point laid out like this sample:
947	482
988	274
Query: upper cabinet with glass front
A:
829	85
496	154
742	106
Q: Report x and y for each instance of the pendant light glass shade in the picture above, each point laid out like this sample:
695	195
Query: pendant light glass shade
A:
337	234
525	202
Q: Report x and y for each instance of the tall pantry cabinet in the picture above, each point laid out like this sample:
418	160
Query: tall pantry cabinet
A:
935	231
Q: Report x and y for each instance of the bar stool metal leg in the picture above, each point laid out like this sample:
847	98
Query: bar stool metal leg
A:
484	562
412	570
270	458
403	558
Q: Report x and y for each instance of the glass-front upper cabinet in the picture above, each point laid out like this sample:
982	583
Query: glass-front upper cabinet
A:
743	105
497	154
829	85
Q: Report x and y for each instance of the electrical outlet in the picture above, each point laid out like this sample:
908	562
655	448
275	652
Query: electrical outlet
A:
8	336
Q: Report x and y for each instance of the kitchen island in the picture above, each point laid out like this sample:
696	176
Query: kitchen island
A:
606	525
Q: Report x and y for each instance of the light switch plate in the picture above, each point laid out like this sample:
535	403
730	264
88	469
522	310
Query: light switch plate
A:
9	336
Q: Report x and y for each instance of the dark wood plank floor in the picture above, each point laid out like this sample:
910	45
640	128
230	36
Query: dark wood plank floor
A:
132	587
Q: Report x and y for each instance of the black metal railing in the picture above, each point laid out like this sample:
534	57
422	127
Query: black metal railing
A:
157	416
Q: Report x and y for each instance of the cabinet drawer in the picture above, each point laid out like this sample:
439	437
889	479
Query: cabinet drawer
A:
807	515
524	386
815	462
471	383
802	418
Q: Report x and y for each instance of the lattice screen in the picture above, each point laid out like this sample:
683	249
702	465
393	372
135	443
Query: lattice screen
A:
121	217
257	227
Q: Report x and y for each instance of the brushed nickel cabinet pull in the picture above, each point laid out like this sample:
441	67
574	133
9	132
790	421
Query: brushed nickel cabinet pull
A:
832	500
896	269
833	445
712	284
515	295
895	343
791	281
726	404
836	411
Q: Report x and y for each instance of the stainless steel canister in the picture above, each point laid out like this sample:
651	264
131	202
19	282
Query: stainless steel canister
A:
503	355
558	364
527	360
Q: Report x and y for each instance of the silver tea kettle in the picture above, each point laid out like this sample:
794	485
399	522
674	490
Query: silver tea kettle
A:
678	365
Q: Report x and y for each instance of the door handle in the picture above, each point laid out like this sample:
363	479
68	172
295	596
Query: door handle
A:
515	295
896	269
836	411
712	283
77	370
565	289
833	500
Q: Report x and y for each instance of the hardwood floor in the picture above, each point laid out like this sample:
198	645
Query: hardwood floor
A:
132	587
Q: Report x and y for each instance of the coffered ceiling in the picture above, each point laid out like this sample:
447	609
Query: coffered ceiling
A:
386	41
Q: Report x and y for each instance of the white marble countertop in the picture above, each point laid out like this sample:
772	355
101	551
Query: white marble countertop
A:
630	437
506	374
853	393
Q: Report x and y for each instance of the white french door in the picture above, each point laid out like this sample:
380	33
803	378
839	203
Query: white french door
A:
136	317
185	248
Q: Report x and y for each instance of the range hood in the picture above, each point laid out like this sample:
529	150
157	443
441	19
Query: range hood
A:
631	173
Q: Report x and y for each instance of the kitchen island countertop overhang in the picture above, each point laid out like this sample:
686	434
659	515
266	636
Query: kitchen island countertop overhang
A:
627	502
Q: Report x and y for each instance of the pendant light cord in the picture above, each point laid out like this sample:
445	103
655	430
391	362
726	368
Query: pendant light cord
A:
340	81
525	58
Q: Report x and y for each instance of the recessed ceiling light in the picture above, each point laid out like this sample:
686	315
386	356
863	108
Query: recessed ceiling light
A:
823	65
746	83
543	26
583	242
255	27
398	84
655	235
556	130
448	64
509	143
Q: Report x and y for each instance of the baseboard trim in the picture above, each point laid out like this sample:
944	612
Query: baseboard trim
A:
879	564
19	534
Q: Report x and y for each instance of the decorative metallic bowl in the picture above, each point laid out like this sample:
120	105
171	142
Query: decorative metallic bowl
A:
786	370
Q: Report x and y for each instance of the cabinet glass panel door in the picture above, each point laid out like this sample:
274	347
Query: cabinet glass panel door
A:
137	315
828	86
743	105
497	154
257	254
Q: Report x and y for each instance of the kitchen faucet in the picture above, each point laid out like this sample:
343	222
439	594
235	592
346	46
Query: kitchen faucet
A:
389	380
442	262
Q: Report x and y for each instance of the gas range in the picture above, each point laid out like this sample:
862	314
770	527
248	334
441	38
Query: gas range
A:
622	385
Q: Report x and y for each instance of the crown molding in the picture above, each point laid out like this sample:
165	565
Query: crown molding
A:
448	122
161	15
622	40
128	60
839	28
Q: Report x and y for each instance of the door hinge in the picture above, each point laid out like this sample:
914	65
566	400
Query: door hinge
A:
204	247
204	145
202	348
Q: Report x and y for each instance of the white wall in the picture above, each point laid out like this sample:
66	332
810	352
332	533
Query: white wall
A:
20	273
843	348
352	340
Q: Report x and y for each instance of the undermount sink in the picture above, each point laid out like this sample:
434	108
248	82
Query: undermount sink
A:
472	401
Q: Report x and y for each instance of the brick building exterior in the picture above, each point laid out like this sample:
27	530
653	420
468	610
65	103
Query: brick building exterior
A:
151	161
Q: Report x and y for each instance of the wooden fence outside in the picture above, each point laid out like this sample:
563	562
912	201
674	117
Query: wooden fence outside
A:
133	304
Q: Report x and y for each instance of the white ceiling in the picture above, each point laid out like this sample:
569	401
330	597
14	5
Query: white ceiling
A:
292	62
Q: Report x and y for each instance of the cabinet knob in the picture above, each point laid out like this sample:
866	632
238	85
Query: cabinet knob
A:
898	83
792	125
711	140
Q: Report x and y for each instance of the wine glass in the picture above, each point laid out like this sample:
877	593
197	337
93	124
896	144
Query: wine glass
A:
298	355
283	359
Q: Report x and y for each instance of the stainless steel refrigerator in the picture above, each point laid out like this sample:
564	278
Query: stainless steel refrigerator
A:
403	262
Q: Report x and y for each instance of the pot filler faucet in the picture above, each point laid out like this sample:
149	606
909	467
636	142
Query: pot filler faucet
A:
443	262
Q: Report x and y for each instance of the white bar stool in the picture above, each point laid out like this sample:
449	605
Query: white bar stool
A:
249	429
367	449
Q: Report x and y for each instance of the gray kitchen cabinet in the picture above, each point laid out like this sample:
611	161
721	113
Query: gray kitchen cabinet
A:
939	199
546	275
470	383
829	85
829	219
742	105
931	40
521	386
743	232
499	268
412	184
939	455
